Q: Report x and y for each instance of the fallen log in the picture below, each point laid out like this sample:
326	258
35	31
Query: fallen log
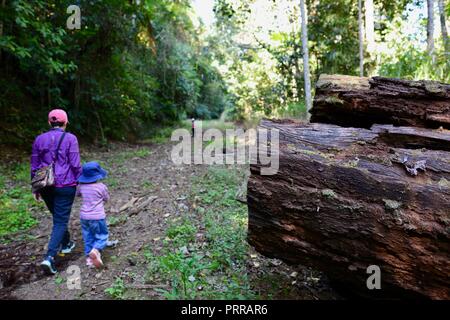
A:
347	198
361	102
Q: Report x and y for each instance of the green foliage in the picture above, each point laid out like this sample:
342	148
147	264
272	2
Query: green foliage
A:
161	135
333	29
263	66
117	290
183	233
131	66
124	156
16	200
136	68
213	266
295	110
116	220
59	280
410	62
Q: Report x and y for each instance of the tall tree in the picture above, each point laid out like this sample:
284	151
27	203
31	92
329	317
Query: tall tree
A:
304	16
1	22
3	5
370	28
361	40
430	28
443	26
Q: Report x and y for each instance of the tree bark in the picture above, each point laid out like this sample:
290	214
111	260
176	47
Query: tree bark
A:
443	26
430	28
345	199
361	102
306	72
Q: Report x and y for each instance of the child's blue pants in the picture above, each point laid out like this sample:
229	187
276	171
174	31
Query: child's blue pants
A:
95	234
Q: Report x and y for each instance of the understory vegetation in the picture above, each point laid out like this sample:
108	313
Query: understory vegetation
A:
17	205
133	68
205	253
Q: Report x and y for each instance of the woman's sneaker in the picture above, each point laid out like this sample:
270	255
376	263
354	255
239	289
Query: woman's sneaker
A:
96	258
112	243
48	266
68	248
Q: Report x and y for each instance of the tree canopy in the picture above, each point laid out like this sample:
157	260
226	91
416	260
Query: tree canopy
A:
136	66
133	65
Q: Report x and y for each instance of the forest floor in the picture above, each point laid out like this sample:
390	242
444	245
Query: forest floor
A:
181	233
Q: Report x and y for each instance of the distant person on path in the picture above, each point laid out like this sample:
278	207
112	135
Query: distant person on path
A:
60	196
92	213
193	126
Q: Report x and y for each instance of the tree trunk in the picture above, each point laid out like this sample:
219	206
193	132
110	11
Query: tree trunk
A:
100	127
361	102
370	27
1	22
361	39
297	73
77	91
443	26
348	198
1	27
430	28
304	16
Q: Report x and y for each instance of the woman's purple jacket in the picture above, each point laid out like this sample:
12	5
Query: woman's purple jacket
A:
67	165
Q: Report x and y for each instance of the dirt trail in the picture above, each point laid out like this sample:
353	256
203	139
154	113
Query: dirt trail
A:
134	173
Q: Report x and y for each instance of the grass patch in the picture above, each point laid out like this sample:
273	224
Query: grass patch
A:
117	290
295	110
111	182
211	124
160	136
16	200
148	185
59	280
204	256
163	135
130	154
116	220
183	233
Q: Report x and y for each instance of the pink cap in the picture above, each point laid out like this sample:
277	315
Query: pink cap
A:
58	115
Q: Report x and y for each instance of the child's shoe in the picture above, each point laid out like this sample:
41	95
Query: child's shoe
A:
89	262
96	258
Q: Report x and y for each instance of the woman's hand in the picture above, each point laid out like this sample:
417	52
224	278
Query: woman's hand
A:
37	196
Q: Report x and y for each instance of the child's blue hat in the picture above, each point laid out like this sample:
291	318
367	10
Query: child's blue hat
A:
92	171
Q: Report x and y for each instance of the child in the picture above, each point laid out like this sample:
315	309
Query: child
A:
92	213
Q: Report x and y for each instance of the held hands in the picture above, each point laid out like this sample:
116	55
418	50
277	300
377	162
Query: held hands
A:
37	197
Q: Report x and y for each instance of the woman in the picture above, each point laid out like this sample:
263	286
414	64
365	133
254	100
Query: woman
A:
58	198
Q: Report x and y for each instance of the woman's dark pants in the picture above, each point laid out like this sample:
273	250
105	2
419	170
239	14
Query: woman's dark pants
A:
59	201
